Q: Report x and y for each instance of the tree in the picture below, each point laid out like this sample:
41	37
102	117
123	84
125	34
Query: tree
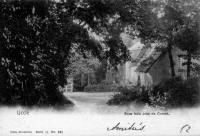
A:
188	40
187	37
81	66
170	21
17	48
170	18
38	39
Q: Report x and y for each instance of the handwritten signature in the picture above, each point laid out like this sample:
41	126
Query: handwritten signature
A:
132	126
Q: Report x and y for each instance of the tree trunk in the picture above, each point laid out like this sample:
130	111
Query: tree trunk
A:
189	60
82	79
88	78
62	80
171	61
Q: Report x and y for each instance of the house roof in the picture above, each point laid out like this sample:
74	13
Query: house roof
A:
150	58
135	47
135	53
143	56
141	53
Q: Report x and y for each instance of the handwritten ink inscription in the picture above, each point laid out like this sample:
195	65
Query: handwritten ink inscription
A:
133	126
185	129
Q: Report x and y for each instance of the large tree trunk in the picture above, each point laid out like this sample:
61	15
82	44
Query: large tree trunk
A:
62	78
171	61
189	60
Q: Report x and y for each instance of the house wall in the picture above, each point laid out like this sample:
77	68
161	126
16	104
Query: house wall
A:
121	73
161	69
179	68
132	76
127	75
145	79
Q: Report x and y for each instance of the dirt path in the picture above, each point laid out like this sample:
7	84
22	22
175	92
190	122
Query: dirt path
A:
95	102
91	116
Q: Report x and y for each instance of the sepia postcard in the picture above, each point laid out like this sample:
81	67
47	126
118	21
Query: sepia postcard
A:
100	68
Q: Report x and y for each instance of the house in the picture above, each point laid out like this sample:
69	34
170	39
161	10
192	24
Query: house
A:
126	74
157	65
149	65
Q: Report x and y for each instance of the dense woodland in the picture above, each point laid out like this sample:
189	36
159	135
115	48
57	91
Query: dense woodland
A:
43	42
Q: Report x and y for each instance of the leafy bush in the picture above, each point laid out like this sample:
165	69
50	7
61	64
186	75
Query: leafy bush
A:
168	94
101	88
128	94
175	93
